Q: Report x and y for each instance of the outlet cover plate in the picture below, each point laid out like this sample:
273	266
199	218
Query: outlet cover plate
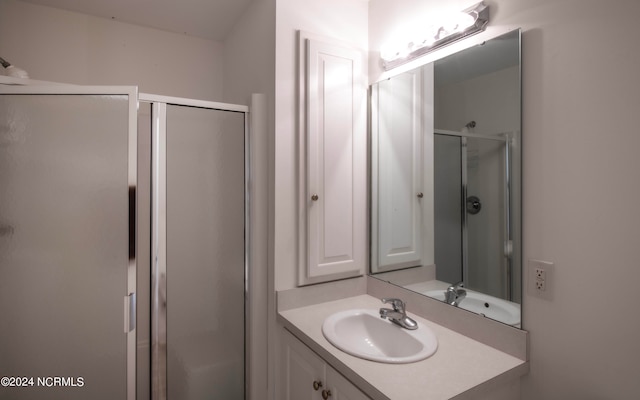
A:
534	282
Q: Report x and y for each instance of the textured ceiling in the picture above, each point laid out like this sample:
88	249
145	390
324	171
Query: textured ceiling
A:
209	19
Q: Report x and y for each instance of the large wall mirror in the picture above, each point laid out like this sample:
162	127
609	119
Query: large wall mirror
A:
445	179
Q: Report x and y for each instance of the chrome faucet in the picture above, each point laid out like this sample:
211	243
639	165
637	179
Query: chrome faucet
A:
455	294
398	315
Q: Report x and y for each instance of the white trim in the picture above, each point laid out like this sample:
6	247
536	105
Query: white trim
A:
151	98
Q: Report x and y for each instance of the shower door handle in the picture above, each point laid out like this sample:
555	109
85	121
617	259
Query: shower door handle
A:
129	312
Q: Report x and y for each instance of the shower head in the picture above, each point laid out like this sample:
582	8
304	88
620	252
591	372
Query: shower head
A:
13	71
468	127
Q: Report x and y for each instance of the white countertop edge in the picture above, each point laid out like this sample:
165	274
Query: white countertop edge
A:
499	380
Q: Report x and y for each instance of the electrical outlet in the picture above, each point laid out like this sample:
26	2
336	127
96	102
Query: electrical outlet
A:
540	279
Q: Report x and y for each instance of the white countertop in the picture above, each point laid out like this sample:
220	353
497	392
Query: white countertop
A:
460	368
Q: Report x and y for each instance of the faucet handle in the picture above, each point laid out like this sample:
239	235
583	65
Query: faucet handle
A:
398	305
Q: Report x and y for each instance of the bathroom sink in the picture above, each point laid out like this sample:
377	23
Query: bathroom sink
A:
362	333
489	306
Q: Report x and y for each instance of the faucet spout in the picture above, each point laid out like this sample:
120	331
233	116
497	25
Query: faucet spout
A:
398	315
455	294
387	313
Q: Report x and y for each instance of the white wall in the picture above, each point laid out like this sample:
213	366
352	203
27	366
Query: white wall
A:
345	20
580	165
249	54
61	46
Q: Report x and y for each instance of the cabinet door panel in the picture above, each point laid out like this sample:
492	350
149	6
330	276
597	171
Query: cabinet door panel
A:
333	176
302	368
341	388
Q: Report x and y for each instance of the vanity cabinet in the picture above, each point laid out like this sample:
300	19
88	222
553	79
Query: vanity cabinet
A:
332	160
306	376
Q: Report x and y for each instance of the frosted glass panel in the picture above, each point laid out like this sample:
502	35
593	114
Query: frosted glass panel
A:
448	206
63	244
205	254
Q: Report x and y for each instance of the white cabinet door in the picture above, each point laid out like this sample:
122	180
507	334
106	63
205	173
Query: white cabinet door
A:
308	377
339	388
333	162
304	375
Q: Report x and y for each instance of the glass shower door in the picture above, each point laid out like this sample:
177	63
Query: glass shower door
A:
67	248
448	216
485	216
472	198
199	277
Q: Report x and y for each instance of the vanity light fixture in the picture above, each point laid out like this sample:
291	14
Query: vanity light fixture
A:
447	30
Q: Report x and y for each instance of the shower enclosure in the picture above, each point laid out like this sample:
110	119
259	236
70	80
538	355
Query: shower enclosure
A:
473	215
122	245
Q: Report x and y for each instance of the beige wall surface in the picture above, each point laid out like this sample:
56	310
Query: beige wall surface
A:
580	163
61	46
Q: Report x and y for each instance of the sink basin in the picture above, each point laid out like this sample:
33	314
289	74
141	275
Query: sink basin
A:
362	333
489	306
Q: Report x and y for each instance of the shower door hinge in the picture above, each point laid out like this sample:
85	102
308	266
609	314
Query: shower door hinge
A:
129	312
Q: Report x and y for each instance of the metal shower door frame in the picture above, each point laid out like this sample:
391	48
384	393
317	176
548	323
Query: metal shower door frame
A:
159	227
